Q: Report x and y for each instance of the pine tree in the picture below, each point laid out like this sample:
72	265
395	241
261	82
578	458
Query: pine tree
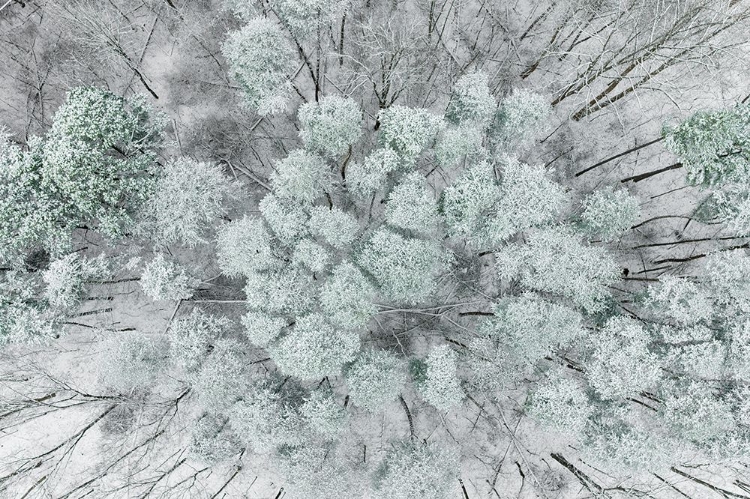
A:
324	415
365	178
244	247
261	60
287	221
335	226
262	329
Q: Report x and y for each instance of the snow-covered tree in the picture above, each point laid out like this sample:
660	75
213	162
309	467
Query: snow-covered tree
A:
212	440
223	378
324	415
608	213
621	364
366	177
415	471
303	17
405	269
286	291
713	146
166	280
265	420
131	362
375	379
23	317
99	156
458	144
330	126
244	246
520	117
66	277
286	220
680	300
438	381
346	297
337	227
261	329
315	471
556	261
189	198
412	206
261	60
191	338
313	349
471	101
311	255
408	131
301	176
467	202
560	403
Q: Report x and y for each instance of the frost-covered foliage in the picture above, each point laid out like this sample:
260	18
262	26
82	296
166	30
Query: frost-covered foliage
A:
459	144
440	385
346	297
471	101
265	420
188	200
696	413
261	329
324	415
287	221
621	364
95	166
224	377
727	277
528	198
304	17
337	227
408	131
416	471
287	291
367	177
314	349
316	471
411	205
66	277
23	318
99	155
301	176
311	255
213	441
467	202
532	327
556	261
521	116
618	445
244	246
375	379
405	269
261	60
608	213
560	403
131	362
191	338
680	300
729	205
330	126
166	280
713	146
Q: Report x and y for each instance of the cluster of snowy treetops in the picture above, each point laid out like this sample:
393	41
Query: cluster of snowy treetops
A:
439	216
